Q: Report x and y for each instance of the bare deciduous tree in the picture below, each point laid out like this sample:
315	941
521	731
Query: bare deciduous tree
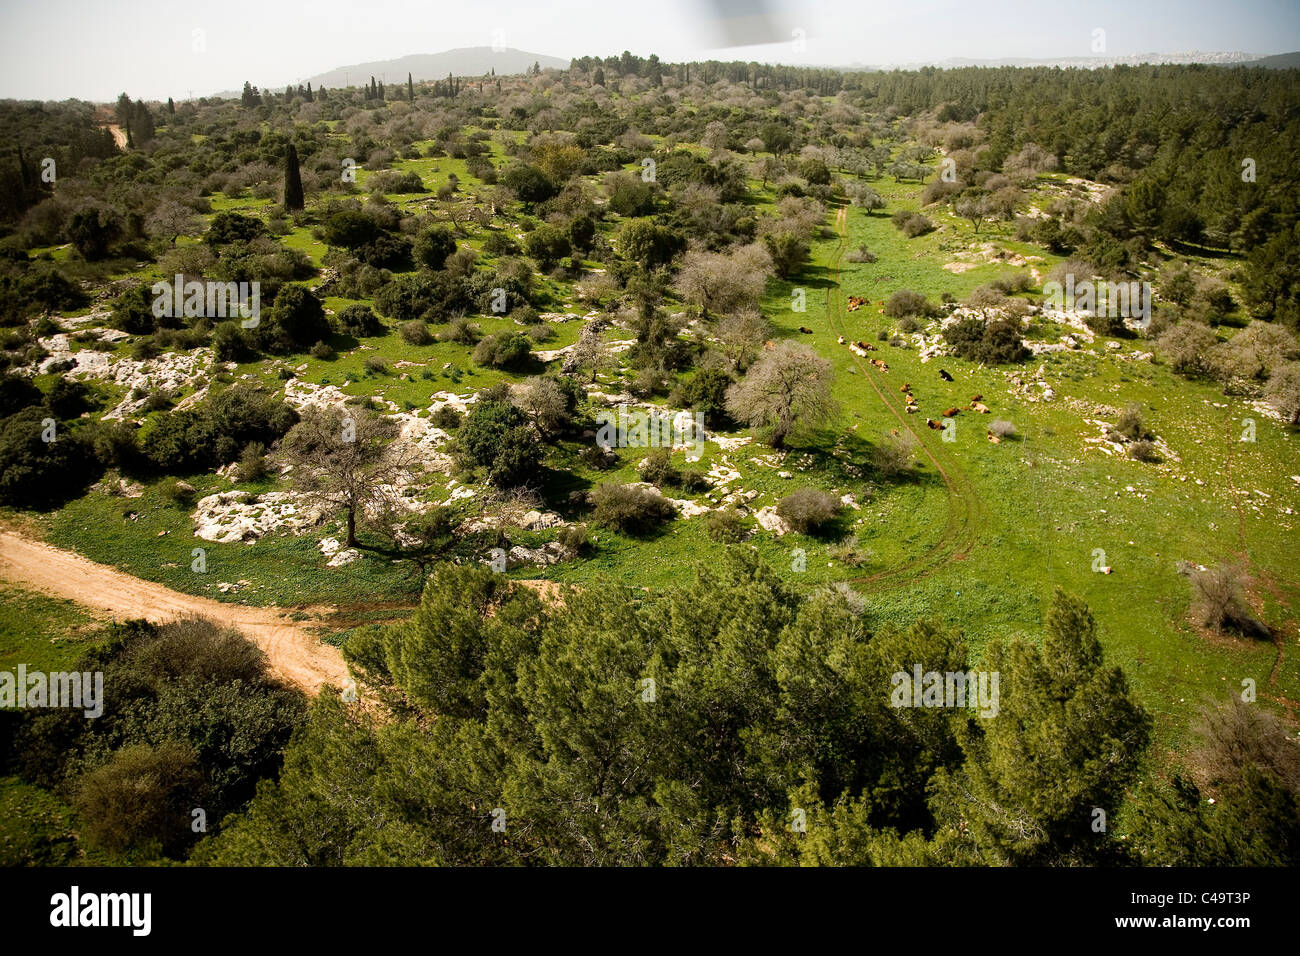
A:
345	458
788	386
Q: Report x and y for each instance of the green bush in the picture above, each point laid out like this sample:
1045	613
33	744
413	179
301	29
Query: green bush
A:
726	525
808	510
508	350
632	509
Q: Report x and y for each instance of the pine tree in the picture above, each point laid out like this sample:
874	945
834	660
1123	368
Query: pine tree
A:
410	88
293	198
171	107
310	97
381	91
1065	743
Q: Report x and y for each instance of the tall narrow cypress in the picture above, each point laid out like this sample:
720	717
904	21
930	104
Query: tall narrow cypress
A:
293	198
410	88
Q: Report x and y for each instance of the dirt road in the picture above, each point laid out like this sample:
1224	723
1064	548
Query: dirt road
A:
294	653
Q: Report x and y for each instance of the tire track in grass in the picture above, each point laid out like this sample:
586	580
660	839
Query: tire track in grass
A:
965	508
1265	577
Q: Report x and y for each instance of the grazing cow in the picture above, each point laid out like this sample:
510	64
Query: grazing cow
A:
840	340
995	439
977	398
951	412
981	408
912	408
945	376
856	302
931	423
769	345
894	432
906	387
805	330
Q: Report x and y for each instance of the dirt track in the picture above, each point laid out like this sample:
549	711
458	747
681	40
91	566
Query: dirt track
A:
294	653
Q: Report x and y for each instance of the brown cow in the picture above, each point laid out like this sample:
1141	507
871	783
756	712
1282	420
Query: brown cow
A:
977	398
769	345
931	423
995	439
912	408
951	412
805	330
905	387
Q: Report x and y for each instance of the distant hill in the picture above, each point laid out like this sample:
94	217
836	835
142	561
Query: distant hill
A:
467	61
1283	61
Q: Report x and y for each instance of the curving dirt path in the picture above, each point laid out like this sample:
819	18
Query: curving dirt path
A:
294	653
965	507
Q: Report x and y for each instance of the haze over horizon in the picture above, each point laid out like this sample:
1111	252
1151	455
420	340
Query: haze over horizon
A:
154	49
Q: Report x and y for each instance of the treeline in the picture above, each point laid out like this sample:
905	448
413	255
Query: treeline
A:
736	721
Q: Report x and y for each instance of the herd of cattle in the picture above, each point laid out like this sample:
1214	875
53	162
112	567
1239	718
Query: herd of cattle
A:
861	349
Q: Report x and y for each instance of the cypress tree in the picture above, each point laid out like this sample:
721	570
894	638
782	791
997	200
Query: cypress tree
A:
171	107
310	97
381	90
410	88
293	198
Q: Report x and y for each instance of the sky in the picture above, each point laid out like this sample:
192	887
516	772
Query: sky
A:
152	49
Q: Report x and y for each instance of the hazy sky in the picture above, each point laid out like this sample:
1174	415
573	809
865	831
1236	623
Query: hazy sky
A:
95	49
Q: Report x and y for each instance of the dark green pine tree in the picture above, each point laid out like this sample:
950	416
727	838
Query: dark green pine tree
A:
310	97
410	88
381	91
374	89
171	107
293	198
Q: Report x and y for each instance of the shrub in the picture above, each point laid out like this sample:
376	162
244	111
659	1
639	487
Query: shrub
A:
850	552
1218	601
629	508
1003	428
992	343
808	510
357	320
1131	426
375	364
862	254
321	350
658	468
508	350
905	303
446	418
911	224
252	462
1143	451
540	332
142	795
416	332
433	246
461	331
573	538
726	525
498	437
